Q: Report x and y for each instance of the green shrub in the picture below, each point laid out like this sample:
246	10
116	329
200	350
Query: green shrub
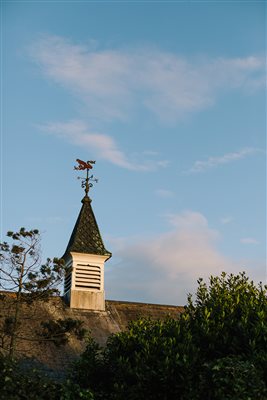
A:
17	383
231	378
228	317
215	351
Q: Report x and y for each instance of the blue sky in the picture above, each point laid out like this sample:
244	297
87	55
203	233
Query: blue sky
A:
169	99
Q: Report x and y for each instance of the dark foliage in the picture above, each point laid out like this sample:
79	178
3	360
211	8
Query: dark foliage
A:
231	378
21	270
17	383
217	350
58	331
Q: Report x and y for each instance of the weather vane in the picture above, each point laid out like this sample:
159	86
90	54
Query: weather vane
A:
86	182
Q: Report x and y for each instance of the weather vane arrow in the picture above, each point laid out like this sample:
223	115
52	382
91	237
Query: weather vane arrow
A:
86	182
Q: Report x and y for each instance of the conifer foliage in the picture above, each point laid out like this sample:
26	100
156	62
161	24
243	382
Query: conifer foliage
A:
25	281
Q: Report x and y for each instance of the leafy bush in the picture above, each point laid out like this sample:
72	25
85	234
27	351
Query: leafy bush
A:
152	360
231	378
17	383
228	317
216	350
88	371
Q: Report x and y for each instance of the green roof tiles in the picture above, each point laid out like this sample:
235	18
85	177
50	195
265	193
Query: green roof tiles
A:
85	237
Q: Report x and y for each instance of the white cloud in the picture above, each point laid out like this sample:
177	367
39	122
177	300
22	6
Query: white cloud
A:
188	220
165	268
249	240
102	145
213	162
114	83
164	193
226	220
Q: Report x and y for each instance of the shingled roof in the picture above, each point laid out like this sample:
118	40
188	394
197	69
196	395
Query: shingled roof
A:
100	324
85	237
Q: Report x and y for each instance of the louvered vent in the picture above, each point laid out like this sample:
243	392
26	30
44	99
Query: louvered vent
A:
67	282
87	277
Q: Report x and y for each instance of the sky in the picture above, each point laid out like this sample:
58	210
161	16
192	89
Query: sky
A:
169	98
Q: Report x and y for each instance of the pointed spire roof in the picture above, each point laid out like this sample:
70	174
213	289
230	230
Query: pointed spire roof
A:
85	237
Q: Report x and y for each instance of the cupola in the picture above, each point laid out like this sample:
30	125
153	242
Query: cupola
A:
85	255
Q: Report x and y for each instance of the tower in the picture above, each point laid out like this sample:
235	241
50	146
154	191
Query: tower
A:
85	256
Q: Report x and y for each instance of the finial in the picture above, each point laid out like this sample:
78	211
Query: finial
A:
86	182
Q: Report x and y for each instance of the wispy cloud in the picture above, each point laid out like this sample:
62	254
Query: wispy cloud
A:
249	240
115	83
213	162
226	220
164	193
102	145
